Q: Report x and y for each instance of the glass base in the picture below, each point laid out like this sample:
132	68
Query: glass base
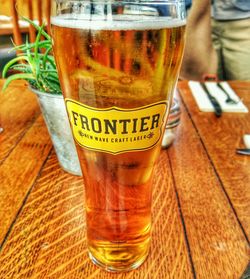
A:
116	268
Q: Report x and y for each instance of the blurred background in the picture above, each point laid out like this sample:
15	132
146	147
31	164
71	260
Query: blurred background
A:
6	26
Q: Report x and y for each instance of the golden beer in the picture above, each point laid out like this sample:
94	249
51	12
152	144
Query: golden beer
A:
118	69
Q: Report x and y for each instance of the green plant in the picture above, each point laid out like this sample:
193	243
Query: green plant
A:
35	64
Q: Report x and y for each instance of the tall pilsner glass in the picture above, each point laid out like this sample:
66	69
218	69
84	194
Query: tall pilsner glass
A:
118	63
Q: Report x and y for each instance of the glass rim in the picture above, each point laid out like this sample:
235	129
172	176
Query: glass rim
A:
123	1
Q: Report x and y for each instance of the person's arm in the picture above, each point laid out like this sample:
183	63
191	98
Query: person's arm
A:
199	57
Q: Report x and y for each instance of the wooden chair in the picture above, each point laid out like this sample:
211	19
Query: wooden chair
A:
38	8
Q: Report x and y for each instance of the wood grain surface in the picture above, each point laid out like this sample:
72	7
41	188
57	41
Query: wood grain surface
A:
49	238
19	171
24	146
213	230
15	115
200	212
222	136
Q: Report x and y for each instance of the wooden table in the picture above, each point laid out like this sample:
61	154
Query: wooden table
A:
201	209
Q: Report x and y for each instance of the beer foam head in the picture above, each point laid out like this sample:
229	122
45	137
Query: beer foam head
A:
116	22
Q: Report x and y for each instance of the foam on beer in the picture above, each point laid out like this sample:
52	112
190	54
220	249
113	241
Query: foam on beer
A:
116	22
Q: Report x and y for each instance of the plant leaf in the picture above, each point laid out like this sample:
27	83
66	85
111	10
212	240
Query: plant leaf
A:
46	35
24	68
38	67
15	77
38	37
24	47
45	57
11	62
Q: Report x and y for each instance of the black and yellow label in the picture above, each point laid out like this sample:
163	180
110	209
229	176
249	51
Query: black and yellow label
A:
116	130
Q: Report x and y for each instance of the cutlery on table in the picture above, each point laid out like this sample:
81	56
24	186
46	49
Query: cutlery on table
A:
243	151
229	99
213	100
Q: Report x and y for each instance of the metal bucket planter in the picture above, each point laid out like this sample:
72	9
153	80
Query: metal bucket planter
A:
56	119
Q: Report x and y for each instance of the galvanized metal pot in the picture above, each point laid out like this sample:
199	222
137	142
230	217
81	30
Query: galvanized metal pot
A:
56	119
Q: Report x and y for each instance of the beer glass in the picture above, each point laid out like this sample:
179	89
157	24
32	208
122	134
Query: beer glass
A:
118	63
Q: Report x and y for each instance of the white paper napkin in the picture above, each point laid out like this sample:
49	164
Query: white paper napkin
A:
204	103
246	139
5	18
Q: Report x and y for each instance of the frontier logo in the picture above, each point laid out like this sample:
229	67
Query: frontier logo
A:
116	130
